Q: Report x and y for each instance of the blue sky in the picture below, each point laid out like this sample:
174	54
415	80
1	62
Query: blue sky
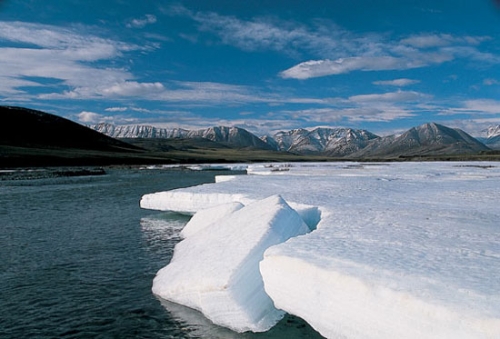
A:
381	65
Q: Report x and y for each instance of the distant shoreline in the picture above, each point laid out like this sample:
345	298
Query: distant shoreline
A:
38	161
53	172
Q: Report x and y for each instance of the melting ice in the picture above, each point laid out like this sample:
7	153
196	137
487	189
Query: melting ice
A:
399	250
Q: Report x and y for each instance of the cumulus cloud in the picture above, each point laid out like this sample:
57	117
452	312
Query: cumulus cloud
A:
90	117
396	82
142	22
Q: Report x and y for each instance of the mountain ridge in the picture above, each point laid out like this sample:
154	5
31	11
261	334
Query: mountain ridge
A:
491	137
36	138
235	136
427	139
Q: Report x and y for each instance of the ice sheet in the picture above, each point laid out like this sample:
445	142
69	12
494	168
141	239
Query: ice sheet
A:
216	269
405	248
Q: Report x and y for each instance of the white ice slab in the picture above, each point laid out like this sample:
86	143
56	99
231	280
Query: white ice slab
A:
216	270
208	216
187	202
402	249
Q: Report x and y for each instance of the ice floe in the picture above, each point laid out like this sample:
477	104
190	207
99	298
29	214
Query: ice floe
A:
216	269
208	216
399	249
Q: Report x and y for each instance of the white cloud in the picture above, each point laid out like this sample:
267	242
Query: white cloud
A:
321	39
399	96
116	109
140	23
9	85
475	107
56	53
487	106
319	68
189	93
338	50
72	44
132	88
90	117
491	82
474	126
383	107
397	82
378	113
441	40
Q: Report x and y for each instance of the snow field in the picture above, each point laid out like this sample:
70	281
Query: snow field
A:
401	249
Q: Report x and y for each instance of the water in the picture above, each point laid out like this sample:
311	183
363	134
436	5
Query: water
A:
78	256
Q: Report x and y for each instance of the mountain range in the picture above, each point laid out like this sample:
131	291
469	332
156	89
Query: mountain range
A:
35	138
32	138
427	139
233	136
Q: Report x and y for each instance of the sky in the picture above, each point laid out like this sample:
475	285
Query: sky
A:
266	66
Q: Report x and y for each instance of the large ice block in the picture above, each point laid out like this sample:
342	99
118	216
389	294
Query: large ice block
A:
216	270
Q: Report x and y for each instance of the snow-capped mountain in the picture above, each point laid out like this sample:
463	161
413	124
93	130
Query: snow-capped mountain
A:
234	136
492	131
328	141
426	139
139	131
491	137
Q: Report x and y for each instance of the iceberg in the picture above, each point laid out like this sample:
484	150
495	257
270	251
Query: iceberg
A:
397	249
216	269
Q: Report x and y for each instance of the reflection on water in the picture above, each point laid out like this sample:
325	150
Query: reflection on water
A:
195	325
162	233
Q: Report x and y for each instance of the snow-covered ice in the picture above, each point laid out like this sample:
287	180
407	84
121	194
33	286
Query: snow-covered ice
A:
205	217
216	269
401	250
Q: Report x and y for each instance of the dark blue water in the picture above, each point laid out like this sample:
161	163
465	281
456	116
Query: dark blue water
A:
78	257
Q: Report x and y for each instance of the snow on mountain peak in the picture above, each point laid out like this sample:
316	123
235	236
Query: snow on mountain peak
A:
492	131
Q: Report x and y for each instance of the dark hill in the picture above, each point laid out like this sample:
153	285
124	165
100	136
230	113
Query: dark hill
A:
30	128
31	138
